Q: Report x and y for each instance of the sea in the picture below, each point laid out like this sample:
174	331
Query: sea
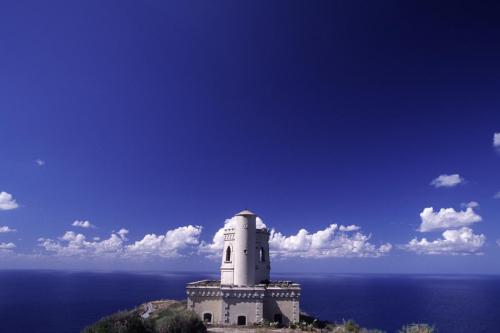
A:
66	301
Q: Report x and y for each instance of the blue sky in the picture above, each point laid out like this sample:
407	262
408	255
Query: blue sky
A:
149	116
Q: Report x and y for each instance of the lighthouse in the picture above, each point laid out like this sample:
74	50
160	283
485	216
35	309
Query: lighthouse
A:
245	295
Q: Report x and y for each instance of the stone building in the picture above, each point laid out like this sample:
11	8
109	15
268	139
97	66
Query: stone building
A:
245	294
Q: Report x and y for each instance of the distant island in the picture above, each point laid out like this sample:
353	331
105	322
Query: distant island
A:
170	316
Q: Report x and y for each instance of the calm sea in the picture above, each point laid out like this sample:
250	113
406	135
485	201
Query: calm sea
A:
59	302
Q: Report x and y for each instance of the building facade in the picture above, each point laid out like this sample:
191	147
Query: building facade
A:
245	294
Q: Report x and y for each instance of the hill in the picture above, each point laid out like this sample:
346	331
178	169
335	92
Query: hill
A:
169	316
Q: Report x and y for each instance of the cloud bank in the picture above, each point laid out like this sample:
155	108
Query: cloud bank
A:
172	244
75	244
169	245
331	242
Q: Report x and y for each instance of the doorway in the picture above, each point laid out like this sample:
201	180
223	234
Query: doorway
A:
242	320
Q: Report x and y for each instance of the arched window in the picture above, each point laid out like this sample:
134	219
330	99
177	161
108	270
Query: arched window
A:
228	254
207	317
262	255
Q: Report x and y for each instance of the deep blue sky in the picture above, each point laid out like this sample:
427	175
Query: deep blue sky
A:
152	115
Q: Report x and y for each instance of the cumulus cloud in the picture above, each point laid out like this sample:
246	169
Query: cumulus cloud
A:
169	245
453	242
5	229
40	162
349	228
332	241
74	244
7	202
496	140
7	246
83	224
172	244
447	180
447	218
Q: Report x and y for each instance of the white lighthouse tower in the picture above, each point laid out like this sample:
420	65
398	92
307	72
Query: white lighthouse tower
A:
245	257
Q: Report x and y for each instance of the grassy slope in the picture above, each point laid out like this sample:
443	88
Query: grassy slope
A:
170	316
167	316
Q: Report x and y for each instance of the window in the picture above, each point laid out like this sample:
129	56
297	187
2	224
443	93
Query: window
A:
228	254
207	317
242	320
262	255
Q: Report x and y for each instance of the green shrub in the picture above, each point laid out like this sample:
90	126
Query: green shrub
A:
181	322
351	326
417	328
120	322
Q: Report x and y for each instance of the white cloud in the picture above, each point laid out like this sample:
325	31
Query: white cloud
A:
447	180
6	228
454	242
73	244
123	233
169	245
470	204
496	140
7	202
447	218
40	162
349	228
7	246
326	243
172	244
83	224
334	241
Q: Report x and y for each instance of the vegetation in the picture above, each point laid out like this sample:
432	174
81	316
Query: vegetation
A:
172	317
181	322
120	322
